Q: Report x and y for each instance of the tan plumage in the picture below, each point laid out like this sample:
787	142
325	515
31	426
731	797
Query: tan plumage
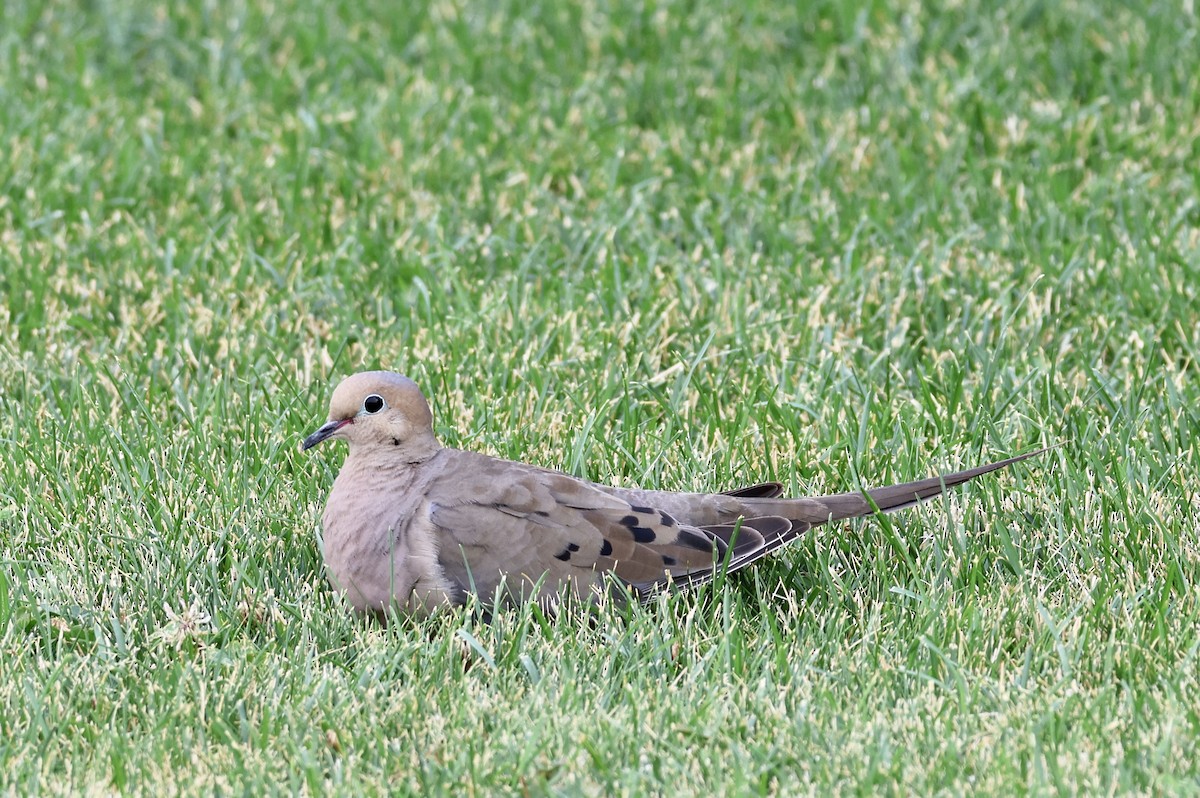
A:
412	524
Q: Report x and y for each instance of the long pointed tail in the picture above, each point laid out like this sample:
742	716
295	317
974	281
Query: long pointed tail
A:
897	497
805	513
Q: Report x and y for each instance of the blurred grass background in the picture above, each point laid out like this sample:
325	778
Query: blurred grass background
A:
673	244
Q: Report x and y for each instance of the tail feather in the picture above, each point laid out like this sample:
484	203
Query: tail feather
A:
763	490
898	497
772	522
805	513
816	510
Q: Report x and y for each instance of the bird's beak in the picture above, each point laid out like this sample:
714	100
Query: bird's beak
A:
327	429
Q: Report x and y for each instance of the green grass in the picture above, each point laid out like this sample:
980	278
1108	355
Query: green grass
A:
670	244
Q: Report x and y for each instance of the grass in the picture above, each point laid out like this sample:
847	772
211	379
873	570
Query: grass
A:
671	244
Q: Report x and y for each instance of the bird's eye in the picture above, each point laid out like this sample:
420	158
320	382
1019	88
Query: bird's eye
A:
373	403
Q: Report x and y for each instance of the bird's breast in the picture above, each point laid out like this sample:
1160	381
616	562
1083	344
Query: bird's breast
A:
380	548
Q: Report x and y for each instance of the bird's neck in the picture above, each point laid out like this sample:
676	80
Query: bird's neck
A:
395	453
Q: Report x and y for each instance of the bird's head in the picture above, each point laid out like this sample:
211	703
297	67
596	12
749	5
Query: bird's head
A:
377	409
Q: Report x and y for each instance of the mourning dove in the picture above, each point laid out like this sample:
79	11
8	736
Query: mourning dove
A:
412	525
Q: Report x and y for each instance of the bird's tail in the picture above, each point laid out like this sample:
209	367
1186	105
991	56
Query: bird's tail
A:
893	497
762	503
805	513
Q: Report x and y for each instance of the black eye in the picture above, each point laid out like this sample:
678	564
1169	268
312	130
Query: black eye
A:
373	403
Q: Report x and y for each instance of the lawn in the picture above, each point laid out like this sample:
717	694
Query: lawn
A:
672	244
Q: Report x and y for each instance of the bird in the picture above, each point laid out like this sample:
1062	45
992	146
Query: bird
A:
411	526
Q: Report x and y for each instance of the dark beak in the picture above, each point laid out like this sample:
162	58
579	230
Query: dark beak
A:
327	429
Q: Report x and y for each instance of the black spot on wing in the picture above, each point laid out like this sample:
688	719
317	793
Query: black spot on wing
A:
605	548
666	519
668	560
641	534
566	553
643	510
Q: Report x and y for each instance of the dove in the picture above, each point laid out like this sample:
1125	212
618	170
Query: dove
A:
411	525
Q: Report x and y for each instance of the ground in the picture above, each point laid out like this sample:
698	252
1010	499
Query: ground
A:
671	244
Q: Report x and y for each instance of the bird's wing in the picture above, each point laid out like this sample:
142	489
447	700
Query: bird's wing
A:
497	519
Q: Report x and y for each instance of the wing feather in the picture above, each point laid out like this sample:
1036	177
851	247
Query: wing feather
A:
547	528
